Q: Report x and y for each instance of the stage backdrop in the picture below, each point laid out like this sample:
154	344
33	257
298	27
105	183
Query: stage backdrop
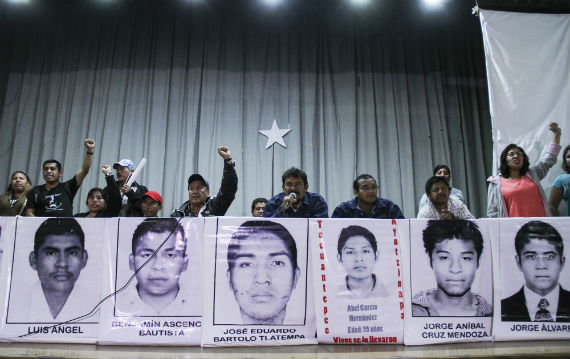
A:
390	90
528	62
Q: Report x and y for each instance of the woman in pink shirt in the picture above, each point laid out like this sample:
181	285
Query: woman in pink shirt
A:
516	192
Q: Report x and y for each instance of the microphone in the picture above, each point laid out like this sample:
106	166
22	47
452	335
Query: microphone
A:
293	195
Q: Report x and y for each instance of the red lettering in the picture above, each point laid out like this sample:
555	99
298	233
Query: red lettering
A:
398	272
326	330
324	288
395	241
401	305
321	235
401	315
321	245
393	221
325	310
398	262
326	320
322	266
399	284
320	222
323	277
400	294
322	256
394	229
396	250
325	298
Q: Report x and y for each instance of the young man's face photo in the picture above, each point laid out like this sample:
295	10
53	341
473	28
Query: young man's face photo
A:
541	265
358	257
263	277
59	262
160	276
454	263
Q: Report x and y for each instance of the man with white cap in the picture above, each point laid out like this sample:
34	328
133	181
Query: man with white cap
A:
133	194
200	204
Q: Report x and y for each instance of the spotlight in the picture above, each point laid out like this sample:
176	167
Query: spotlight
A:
360	2
272	2
433	3
19	1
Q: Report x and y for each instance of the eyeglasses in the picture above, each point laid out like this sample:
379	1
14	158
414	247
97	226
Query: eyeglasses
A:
515	154
290	185
368	188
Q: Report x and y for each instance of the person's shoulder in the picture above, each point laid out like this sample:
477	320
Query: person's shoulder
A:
484	309
518	297
561	180
315	196
564	293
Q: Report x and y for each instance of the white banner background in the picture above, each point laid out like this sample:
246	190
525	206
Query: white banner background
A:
509	280
528	71
342	318
444	329
120	327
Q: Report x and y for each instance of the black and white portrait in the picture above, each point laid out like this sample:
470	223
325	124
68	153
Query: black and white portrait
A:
533	267
158	252
54	278
451	271
261	275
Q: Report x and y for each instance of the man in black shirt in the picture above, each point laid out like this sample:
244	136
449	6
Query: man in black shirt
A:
53	198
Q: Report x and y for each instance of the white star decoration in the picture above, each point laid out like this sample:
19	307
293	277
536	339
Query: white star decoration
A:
275	135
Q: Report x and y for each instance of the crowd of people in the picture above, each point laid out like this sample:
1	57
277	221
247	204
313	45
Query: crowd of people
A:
515	192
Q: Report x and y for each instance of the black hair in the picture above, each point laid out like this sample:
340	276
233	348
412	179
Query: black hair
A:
353	231
294	172
438	231
504	168
538	230
57	164
58	226
250	228
157	225
97	189
256	201
362	176
433	180
438	167
12	175
565	166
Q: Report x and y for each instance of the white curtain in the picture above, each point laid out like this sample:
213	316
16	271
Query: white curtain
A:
381	91
528	69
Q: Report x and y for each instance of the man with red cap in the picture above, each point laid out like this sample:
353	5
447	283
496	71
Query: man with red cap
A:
200	204
151	204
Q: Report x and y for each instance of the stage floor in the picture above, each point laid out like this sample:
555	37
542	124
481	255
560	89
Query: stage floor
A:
526	349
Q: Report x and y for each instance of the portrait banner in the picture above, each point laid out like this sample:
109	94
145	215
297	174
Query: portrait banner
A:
532	288
7	234
449	286
54	285
154	283
357	276
257	287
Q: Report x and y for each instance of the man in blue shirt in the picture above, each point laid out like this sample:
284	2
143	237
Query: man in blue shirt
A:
366	203
295	201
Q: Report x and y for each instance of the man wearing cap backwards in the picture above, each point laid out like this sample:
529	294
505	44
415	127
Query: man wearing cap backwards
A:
200	204
133	194
151	204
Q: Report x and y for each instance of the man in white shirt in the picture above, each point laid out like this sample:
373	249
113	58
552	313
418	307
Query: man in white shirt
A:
441	205
540	258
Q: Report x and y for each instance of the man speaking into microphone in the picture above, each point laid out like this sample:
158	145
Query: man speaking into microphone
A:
295	201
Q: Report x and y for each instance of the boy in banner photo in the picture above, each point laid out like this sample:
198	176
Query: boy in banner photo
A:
65	281
157	278
534	301
359	293
260	288
451	282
